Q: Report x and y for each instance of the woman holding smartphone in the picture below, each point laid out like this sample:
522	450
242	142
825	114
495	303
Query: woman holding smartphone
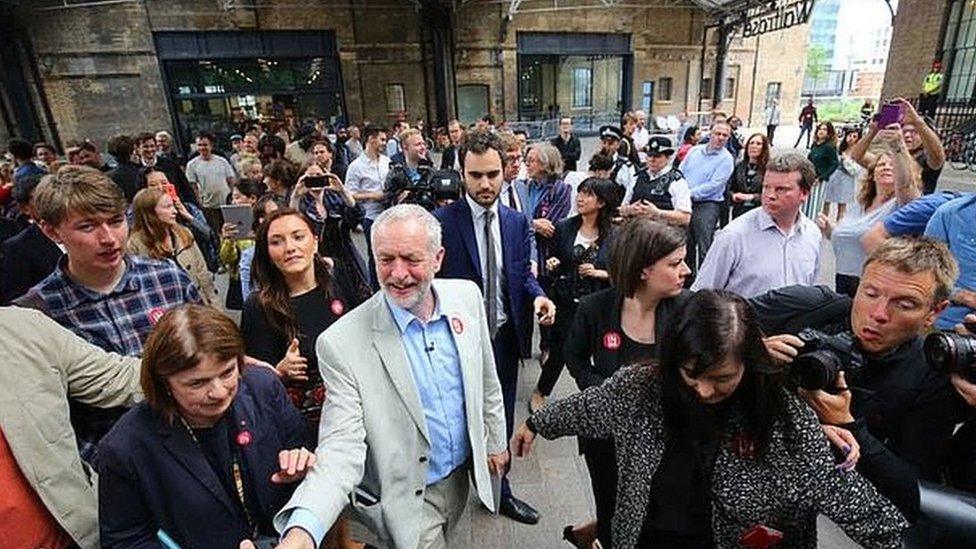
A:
333	211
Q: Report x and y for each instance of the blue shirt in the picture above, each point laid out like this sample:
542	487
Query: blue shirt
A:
436	368
955	224
27	169
707	173
910	219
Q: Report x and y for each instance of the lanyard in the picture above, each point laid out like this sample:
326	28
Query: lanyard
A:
238	479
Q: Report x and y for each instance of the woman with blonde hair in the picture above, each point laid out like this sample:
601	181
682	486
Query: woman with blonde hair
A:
891	180
157	234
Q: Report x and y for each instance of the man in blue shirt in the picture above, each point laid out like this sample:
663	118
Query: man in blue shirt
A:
707	169
414	407
23	154
953	223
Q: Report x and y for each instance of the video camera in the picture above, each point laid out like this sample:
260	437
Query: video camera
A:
433	189
952	353
823	357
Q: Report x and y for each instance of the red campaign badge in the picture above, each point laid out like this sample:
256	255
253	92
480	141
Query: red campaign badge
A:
612	341
155	314
243	438
744	447
761	537
338	307
457	325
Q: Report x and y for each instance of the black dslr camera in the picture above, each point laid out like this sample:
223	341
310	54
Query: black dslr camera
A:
952	353
435	188
823	357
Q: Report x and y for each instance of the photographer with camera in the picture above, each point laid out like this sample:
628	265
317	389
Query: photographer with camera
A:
406	167
862	367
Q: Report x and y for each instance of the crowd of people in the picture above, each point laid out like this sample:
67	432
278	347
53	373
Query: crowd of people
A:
724	398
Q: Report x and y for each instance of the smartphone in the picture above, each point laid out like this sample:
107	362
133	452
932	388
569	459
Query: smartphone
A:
316	181
890	113
170	189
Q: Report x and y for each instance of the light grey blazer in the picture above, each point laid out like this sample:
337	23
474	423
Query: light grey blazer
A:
373	432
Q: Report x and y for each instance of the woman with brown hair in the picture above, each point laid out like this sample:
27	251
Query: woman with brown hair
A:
823	155
157	234
212	454
297	298
891	180
745	186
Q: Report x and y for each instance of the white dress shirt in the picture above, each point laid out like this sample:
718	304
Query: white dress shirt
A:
478	218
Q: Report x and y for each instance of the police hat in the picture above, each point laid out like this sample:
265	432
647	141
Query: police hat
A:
611	132
659	144
236	137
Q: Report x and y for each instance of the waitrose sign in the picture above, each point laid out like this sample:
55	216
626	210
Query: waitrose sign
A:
774	16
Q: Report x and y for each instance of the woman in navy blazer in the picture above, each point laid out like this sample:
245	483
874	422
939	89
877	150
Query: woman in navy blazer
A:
214	451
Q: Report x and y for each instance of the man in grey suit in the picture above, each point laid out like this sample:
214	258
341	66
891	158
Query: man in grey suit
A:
414	407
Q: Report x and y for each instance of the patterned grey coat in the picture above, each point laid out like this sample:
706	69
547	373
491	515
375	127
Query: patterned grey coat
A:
785	489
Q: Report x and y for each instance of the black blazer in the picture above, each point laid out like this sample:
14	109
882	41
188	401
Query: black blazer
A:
589	361
563	242
447	158
153	476
28	258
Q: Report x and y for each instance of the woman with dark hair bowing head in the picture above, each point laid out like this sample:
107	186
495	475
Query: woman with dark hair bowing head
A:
577	264
619	326
214	451
712	450
745	186
296	300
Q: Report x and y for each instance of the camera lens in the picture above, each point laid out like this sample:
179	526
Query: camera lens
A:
949	352
816	370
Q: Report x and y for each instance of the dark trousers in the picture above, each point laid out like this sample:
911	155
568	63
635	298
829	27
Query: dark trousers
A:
805	129
770	133
370	262
927	105
601	461
704	219
552	368
506	349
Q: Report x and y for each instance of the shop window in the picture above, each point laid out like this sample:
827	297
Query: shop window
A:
582	81
664	88
395	98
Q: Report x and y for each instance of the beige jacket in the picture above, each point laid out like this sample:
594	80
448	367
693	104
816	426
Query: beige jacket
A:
191	260
373	432
42	364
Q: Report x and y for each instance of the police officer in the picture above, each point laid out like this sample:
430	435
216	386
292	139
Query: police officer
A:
623	169
660	191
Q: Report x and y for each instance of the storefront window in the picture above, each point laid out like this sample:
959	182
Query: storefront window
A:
570	85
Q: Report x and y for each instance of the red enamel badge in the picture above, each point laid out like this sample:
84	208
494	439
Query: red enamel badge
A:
243	438
338	307
457	325
155	314
612	341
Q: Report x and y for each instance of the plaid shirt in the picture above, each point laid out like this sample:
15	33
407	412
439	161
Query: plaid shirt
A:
121	320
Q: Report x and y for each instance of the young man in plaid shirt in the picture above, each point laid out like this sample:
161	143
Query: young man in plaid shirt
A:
97	291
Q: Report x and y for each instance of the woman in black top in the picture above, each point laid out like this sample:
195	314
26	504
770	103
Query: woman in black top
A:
621	326
745	185
297	299
713	450
577	263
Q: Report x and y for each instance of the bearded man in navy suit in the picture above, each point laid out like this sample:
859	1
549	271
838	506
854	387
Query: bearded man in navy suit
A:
490	244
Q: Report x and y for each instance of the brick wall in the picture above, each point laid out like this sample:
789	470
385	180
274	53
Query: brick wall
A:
914	43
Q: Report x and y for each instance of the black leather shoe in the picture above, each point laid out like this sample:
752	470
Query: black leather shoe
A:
518	510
